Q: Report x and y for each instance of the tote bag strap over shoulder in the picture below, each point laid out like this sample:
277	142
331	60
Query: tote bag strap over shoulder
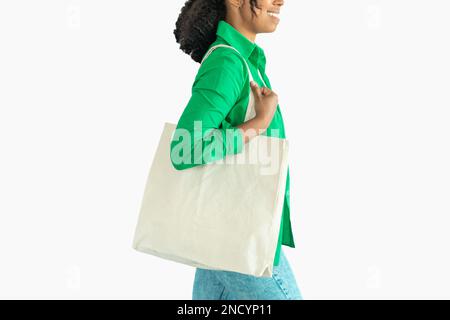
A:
227	46
246	64
250	112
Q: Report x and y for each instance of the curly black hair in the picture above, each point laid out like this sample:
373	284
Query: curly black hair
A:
197	23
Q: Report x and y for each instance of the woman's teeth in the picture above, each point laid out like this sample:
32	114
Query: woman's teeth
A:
273	14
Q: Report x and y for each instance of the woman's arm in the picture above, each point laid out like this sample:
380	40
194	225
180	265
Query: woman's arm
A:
251	128
217	87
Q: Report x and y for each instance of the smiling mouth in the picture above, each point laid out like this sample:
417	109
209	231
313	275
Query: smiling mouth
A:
274	14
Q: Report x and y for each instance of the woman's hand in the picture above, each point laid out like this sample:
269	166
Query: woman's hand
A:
266	102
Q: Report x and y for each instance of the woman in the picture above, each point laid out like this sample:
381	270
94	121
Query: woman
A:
219	101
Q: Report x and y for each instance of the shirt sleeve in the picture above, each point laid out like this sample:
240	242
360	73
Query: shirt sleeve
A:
197	138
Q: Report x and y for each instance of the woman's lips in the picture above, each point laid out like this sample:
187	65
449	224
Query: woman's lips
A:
274	14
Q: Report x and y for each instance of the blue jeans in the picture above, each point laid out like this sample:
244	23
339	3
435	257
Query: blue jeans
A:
228	285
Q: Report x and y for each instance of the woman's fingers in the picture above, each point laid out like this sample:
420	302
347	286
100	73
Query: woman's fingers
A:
265	90
255	88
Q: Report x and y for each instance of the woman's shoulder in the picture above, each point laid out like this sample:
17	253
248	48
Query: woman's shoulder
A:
224	58
223	72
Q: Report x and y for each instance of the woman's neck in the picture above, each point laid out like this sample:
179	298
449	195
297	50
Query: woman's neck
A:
251	36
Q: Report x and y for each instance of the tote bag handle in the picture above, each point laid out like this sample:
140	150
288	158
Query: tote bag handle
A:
250	111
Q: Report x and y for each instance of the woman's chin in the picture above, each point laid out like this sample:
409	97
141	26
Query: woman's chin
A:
273	25
269	26
272	28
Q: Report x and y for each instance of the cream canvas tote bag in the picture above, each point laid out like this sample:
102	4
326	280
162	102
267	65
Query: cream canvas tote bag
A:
223	215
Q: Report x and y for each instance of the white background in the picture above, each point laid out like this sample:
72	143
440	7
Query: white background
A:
86	86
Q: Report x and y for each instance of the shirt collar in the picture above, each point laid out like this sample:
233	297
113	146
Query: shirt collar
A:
250	50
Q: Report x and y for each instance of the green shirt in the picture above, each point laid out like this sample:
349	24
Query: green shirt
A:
219	100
